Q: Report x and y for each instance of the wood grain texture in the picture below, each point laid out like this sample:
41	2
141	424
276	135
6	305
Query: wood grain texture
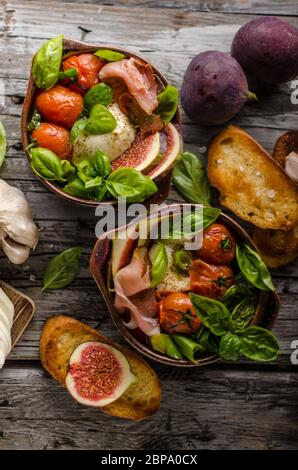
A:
243	405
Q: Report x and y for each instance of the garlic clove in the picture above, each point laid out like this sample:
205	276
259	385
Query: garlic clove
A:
5	338
2	356
6	307
14	251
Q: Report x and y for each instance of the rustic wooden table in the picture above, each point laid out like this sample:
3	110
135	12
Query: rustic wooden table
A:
223	406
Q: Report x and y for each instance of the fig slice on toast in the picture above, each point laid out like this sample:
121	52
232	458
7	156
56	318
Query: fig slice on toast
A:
62	335
98	374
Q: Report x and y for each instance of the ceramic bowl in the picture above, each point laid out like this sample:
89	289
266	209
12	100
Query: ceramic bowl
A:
73	47
100	267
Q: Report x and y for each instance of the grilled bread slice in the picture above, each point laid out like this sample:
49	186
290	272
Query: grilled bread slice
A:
250	182
60	337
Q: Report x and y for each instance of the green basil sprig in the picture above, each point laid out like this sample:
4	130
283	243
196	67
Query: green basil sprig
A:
62	269
159	263
3	143
243	313
76	187
214	314
101	121
254	342
229	346
99	94
190	179
253	267
196	221
46	63
259	344
109	56
167	103
34	122
236	293
130	183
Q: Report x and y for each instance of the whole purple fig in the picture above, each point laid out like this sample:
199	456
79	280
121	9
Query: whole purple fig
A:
214	88
267	49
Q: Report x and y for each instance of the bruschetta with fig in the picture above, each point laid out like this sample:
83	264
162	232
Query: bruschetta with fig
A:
96	371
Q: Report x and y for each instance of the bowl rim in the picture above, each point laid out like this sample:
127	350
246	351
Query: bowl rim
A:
266	299
73	47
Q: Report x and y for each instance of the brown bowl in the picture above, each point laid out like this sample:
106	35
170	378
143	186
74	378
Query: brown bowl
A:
73	47
265	314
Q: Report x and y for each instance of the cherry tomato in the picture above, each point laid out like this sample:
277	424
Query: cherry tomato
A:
218	245
210	281
59	105
54	138
88	66
177	315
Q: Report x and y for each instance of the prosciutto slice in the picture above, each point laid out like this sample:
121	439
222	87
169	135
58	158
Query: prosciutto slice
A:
138	77
133	293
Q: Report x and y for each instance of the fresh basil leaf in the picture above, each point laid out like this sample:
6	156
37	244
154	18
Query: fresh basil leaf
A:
159	263
102	164
46	164
214	314
99	94
93	182
167	103
236	293
259	344
101	121
62	269
130	183
46	63
77	129
229	347
164	344
68	170
187	347
242	314
86	170
34	122
182	260
253	267
109	56
76	187
72	74
196	221
3	143
190	179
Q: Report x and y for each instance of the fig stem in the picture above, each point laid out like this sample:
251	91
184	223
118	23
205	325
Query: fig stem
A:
252	96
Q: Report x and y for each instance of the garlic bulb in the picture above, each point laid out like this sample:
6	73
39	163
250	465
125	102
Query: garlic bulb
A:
18	232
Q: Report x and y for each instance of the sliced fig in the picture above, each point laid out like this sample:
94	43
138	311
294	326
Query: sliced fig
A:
171	154
141	153
98	374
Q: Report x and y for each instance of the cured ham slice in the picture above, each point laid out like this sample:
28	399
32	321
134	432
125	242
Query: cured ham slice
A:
133	293
138	77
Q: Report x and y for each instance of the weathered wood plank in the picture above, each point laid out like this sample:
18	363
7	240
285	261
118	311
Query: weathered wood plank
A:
251	7
244	405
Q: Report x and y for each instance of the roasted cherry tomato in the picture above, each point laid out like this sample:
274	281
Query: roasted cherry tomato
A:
59	105
218	245
177	315
53	137
88	66
210	281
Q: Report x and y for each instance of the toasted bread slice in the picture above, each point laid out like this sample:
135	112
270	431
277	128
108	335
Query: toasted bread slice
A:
250	182
60	337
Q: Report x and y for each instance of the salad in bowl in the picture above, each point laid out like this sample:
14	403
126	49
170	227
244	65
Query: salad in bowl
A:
182	306
100	123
